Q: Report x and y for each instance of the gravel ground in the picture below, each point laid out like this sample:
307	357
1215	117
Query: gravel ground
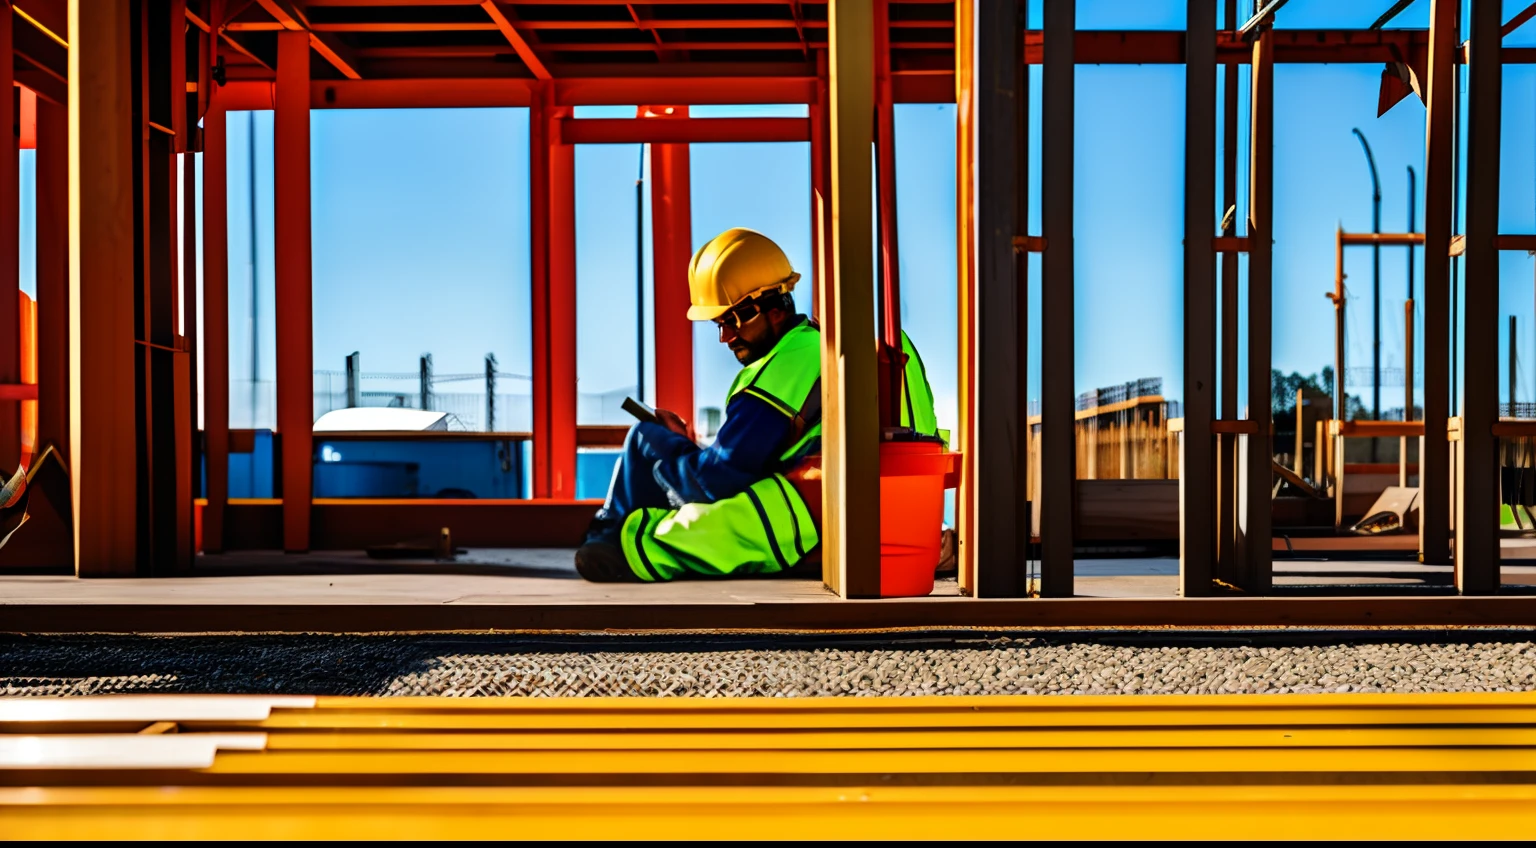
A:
768	666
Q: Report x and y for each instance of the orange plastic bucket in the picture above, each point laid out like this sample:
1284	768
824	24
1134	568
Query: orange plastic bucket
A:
911	515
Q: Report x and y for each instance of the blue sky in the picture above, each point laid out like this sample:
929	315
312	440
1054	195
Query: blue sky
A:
421	224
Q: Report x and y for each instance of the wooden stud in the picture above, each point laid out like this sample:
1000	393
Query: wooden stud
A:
102	406
295	304
1057	395
1477	520
1197	476
851	435
999	537
1439	176
1258	458
10	283
53	277
965	299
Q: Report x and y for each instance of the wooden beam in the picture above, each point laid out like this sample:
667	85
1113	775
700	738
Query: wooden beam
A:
888	308
1197	472
53	277
1477	459
999	536
1439	183
851	438
102	406
519	44
965	297
10	281
295	304
1058	454
1258	461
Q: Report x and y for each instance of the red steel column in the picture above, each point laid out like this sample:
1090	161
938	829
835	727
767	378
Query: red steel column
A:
10	245
295	322
215	324
53	277
1259	458
885	179
552	194
672	250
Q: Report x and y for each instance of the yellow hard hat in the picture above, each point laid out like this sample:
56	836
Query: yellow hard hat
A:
733	266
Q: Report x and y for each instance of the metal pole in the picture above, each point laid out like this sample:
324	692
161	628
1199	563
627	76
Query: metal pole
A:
640	279
426	381
1375	287
255	338
490	393
354	377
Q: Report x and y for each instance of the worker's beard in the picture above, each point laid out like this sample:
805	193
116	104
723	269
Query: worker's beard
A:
750	352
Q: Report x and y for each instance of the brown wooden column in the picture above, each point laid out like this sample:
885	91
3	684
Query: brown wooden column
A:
821	186
53	276
1477	461
102	407
965	297
10	283
1058	402
1258	458
1197	475
295	322
1439	184
851	438
215	323
1228	564
1000	535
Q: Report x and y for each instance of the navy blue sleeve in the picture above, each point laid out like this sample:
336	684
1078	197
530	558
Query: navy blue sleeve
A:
745	451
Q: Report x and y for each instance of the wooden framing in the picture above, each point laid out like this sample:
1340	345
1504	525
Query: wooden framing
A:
1256	460
995	494
295	298
10	283
1477	521
1197	474
850	420
102	408
1058	398
53	276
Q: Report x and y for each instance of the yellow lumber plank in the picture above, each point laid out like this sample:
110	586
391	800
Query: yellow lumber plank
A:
762	717
923	761
953	703
1044	812
1278	737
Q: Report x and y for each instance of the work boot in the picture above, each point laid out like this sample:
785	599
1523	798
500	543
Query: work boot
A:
598	562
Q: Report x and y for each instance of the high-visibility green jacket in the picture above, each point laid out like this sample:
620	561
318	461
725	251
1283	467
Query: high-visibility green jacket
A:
767	528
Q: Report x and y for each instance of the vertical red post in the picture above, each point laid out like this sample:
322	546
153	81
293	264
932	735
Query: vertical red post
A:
215	324
295	322
672	250
10	243
885	192
553	197
53	277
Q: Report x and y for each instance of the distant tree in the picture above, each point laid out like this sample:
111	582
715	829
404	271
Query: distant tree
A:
1283	389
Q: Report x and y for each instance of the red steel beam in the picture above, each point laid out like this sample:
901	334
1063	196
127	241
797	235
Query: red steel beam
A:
1518	20
672	249
295	306
889	307
514	38
682	130
1258	457
554	302
215	324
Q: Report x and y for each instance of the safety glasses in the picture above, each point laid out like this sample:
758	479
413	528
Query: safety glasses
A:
739	315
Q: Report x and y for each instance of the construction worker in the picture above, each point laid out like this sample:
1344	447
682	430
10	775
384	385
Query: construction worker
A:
749	503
